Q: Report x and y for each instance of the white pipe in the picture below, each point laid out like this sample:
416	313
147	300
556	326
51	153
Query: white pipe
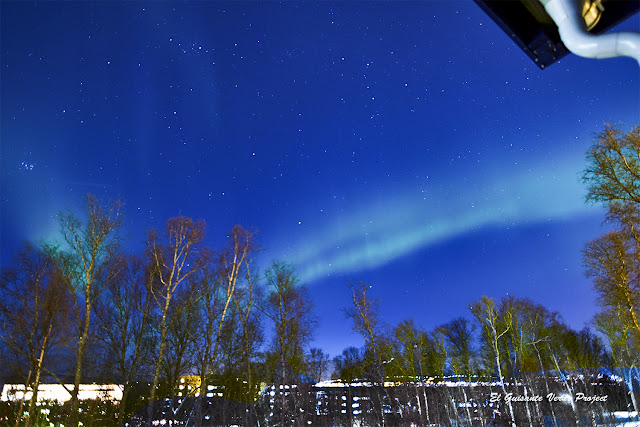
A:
573	32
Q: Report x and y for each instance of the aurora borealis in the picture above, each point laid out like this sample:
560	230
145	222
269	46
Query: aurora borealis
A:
411	145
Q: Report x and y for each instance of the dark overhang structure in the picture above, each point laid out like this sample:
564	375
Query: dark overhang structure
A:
529	25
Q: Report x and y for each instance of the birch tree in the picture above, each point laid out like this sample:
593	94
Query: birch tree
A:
613	260
613	263
364	315
459	334
90	247
124	317
288	306
487	316
612	177
173	261
612	174
317	363
34	303
181	328
218	284
246	300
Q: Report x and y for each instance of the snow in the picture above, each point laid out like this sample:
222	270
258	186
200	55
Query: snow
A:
624	418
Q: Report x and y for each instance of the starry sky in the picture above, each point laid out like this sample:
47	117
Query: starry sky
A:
410	145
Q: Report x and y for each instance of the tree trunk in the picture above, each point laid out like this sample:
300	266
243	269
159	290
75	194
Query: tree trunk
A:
546	384
630	386
566	384
80	351
282	365
426	404
163	338
123	402
496	351
526	402
419	407
24	394
36	381
634	401
466	401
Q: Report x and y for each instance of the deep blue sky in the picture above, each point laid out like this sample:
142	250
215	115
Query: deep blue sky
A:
411	145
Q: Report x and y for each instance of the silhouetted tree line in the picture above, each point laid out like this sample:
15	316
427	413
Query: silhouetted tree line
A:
81	310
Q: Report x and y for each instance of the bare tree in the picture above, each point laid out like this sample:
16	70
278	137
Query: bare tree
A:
612	323
218	291
613	170
34	303
349	365
179	350
317	363
209	282
487	316
414	355
91	245
173	262
245	300
613	261
517	316
615	329
364	315
289	308
124	316
584	349
407	338
459	338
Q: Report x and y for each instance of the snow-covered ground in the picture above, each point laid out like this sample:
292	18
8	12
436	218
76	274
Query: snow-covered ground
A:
623	417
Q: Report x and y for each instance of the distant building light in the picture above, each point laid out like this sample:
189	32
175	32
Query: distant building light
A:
591	12
57	392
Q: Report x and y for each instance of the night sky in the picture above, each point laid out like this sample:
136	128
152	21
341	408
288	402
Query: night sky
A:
411	145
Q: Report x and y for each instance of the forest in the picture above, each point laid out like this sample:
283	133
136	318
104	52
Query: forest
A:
196	335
